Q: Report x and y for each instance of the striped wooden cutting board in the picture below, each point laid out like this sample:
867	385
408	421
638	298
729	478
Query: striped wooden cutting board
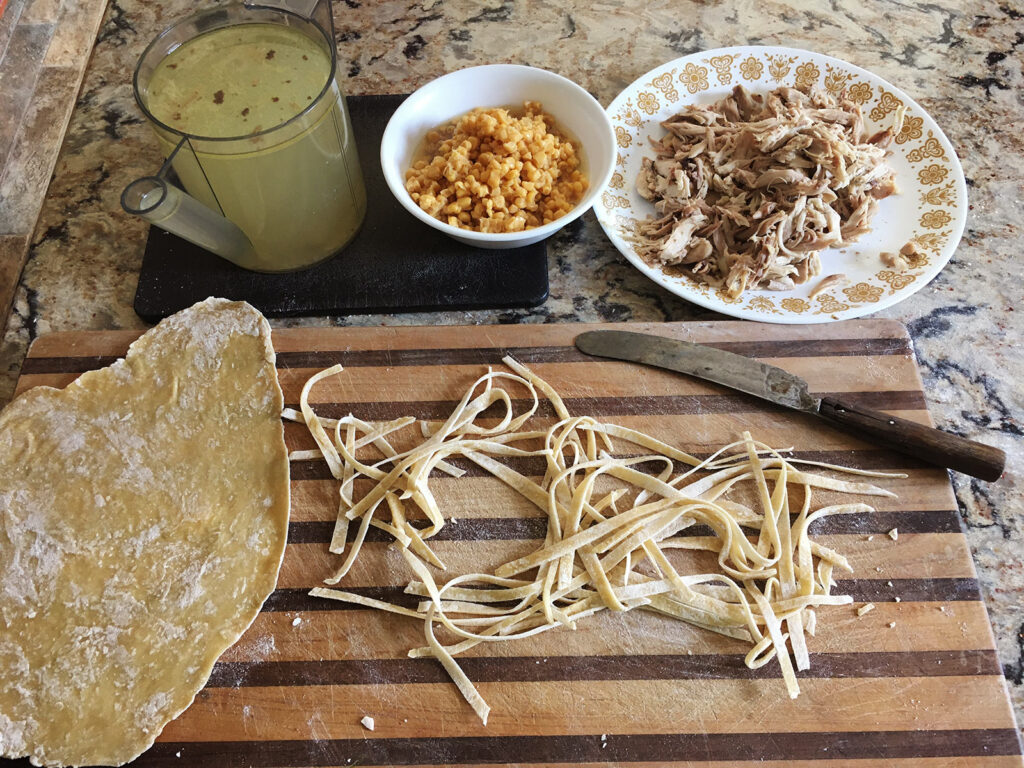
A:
915	682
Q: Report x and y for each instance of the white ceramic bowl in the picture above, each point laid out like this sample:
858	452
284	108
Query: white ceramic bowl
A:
499	85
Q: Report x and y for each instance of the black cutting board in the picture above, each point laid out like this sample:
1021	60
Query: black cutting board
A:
395	264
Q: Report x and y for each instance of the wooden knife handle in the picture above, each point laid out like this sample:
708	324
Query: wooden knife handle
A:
932	445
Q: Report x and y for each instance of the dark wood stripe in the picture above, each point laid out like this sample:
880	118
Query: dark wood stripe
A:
654	405
568	354
910	590
521	669
40	365
474	529
861	590
298	599
390	358
534	528
656	748
534	466
387	358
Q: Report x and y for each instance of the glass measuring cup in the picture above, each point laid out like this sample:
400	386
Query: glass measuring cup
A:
246	107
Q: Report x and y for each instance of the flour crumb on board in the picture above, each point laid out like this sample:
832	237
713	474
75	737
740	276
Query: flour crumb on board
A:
264	646
178	753
296	621
894	534
866	608
318	730
367	722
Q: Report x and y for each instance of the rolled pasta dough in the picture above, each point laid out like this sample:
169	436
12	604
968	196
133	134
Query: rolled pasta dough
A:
143	518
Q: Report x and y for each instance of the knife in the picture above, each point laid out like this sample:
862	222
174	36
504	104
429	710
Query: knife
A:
786	389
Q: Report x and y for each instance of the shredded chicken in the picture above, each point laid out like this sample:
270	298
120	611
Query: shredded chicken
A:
750	189
826	284
909	257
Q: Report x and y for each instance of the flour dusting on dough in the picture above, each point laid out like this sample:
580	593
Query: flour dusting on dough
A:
143	517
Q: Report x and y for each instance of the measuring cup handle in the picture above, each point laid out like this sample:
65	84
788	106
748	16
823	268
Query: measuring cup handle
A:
169	207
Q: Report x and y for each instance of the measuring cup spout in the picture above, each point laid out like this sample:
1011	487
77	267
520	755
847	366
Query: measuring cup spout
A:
170	208
318	11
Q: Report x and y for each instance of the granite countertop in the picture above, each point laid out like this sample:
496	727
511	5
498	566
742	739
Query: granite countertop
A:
962	66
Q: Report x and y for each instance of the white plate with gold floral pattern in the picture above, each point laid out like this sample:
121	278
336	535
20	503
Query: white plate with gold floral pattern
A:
930	210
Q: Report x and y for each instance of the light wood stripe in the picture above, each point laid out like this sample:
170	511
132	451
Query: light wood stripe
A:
286	340
318	499
920	626
581	668
408	382
571	708
926	762
534	466
676	395
931	555
701	434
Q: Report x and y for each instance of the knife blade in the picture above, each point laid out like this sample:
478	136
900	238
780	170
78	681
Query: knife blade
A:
783	388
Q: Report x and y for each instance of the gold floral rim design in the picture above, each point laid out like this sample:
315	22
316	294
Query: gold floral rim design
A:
932	206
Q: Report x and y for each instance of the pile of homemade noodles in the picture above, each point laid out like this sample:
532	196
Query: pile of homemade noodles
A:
609	526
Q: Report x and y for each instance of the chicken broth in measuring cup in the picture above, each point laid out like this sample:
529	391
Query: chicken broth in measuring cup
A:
270	143
198	88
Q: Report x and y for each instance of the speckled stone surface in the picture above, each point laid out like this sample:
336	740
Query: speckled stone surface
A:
961	61
44	49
